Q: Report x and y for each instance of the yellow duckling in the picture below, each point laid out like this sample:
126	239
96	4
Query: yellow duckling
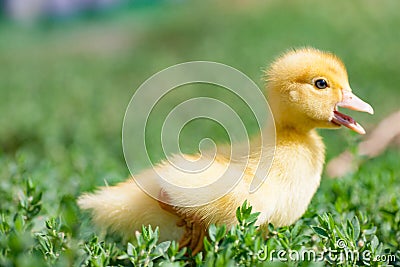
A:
304	88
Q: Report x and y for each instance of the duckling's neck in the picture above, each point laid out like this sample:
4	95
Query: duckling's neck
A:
296	125
297	145
297	134
292	138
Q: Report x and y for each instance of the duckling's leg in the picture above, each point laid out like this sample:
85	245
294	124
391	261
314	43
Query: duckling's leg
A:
194	229
198	232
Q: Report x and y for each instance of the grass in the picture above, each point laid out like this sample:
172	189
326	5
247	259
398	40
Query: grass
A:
65	87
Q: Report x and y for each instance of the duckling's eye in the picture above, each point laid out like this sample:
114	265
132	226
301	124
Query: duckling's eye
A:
321	84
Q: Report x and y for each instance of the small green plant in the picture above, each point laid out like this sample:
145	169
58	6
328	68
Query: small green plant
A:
240	245
30	201
99	253
146	249
348	242
52	242
15	226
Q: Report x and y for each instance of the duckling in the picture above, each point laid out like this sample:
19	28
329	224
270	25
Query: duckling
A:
304	88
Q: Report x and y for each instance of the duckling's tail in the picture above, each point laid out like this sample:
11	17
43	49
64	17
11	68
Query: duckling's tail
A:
124	208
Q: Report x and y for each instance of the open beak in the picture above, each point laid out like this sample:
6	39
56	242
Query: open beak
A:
351	101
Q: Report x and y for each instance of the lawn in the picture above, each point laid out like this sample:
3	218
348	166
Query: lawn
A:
65	86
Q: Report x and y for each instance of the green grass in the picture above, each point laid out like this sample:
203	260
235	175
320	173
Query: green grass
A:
65	87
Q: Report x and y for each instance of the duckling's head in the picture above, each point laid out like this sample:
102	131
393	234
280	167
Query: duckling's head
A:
305	88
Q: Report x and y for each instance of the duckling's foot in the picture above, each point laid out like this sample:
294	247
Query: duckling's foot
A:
194	229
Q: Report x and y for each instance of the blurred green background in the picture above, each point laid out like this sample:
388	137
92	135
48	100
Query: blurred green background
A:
65	82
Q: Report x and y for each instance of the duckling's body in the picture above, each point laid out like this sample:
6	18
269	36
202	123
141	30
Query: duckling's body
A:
298	161
304	89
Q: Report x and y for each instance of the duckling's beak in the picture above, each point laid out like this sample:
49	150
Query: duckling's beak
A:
351	101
